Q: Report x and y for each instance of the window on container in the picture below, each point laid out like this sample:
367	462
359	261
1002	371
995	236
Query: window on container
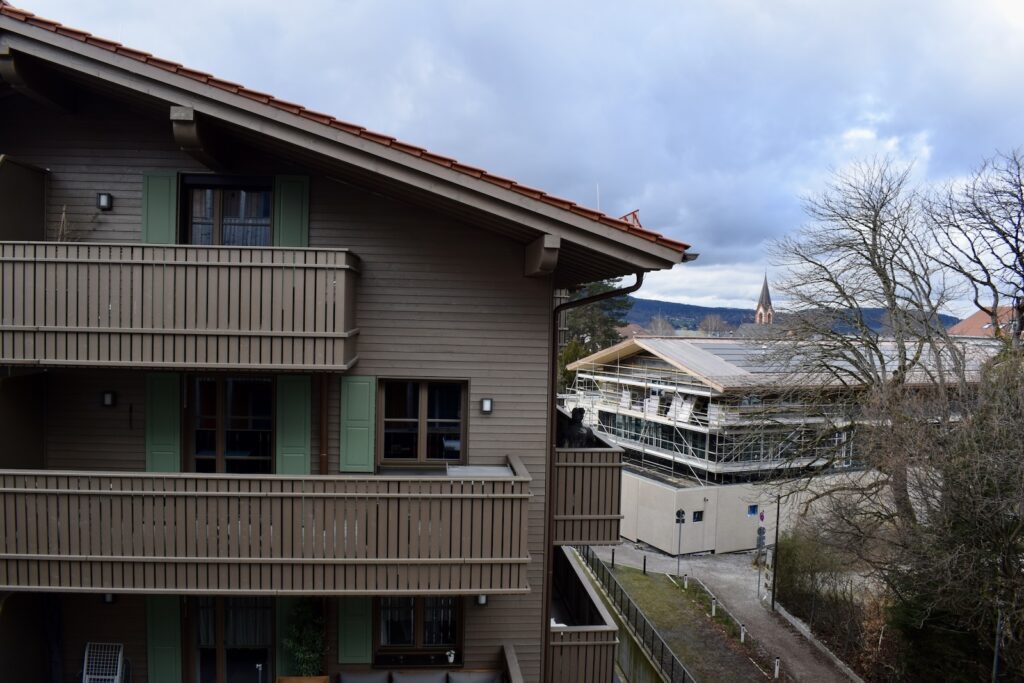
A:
422	422
226	211
752	510
698	515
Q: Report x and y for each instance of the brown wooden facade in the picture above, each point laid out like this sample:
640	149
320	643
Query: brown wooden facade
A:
384	266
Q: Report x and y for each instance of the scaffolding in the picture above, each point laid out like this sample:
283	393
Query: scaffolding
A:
673	421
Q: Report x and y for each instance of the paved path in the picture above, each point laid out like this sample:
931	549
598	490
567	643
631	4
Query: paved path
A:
733	578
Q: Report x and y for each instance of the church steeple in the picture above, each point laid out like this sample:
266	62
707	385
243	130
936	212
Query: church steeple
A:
764	313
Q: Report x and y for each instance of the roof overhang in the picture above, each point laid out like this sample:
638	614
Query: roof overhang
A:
591	247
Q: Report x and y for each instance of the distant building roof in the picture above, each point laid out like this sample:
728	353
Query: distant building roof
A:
737	364
980	324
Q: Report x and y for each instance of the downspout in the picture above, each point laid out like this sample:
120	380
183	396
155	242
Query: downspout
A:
549	480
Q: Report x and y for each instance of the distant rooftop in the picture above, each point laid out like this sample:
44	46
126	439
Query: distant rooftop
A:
728	364
980	324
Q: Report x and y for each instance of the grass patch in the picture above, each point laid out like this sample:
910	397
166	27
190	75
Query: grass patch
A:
710	648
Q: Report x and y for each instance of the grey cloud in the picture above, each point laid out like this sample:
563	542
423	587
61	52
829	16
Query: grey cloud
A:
711	116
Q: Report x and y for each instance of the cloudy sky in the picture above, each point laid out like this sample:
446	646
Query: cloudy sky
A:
713	117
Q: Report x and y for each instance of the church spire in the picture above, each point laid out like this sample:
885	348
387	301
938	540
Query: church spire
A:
764	314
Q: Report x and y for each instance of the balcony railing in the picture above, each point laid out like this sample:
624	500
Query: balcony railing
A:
583	648
222	534
156	306
587	488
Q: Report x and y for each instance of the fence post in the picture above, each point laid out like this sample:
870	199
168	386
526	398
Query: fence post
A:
645	565
613	558
686	582
743	633
714	606
776	667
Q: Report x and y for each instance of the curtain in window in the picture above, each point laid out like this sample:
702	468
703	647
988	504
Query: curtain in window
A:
247	623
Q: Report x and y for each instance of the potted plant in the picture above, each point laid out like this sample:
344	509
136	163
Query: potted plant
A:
304	642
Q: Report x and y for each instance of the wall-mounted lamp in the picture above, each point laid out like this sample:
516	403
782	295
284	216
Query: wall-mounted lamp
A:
481	600
487	406
108	399
108	598
104	201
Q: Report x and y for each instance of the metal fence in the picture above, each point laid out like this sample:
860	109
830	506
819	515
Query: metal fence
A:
636	620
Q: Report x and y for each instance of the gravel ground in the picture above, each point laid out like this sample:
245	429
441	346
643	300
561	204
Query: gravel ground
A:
733	578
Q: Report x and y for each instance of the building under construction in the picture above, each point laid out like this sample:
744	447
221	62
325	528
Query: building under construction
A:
715	410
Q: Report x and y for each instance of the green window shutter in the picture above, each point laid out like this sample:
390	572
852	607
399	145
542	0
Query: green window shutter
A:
160	208
284	663
292	427
355	630
291	211
358	405
163	422
163	638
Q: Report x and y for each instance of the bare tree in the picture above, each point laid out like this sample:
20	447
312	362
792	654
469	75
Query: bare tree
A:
980	226
714	325
866	248
934	515
660	325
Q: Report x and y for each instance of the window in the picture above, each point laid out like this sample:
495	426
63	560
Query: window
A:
230	637
421	422
417	631
231	424
698	515
751	510
226	211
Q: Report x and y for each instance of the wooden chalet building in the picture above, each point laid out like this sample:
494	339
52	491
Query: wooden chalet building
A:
252	355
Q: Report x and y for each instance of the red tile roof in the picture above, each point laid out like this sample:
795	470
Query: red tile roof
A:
325	119
980	324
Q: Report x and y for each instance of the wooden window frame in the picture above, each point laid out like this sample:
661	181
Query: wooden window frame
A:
189	636
219	183
419	619
189	423
421	459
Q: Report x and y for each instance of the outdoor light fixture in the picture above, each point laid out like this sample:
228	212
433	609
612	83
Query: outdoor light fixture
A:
486	406
109	399
481	600
104	201
108	598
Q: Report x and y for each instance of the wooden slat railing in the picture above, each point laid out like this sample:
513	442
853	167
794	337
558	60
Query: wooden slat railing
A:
587	489
166	306
582	652
217	534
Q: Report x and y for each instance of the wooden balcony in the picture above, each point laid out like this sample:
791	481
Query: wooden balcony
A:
224	534
165	306
587	488
583	640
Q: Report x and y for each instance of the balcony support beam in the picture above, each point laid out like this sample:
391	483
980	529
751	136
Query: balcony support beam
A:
542	256
197	140
24	78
